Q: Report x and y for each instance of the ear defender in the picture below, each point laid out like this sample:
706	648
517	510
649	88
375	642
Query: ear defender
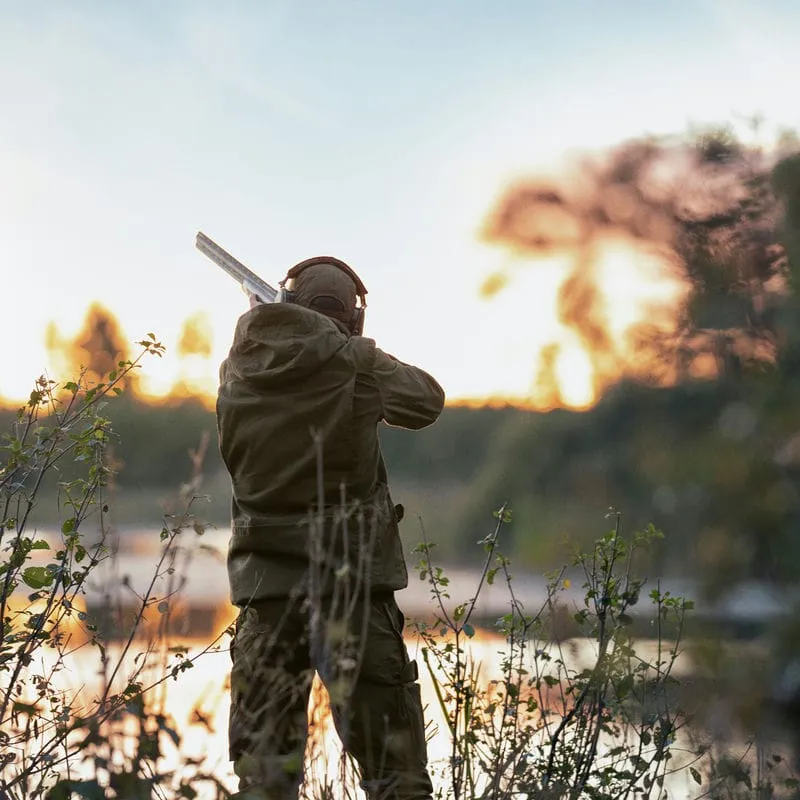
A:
287	295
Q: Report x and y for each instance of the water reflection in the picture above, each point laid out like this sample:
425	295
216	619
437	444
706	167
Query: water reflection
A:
196	700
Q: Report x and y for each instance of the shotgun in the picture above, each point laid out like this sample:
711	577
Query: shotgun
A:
250	282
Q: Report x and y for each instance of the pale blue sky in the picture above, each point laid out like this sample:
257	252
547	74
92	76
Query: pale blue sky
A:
379	132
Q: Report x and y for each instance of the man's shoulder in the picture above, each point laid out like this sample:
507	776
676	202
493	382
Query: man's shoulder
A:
362	350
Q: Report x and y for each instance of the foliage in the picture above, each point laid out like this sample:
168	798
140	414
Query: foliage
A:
94	351
554	726
706	206
57	739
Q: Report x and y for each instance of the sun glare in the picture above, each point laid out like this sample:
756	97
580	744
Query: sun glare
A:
539	361
636	285
575	377
180	377
580	320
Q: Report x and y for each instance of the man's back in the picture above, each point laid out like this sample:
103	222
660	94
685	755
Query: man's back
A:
293	375
301	395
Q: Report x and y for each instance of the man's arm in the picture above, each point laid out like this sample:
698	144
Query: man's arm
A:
410	397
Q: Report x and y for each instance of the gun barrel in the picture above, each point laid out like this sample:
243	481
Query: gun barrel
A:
238	271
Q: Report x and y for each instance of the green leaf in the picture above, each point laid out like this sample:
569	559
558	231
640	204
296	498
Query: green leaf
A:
68	526
40	544
163	607
37	577
469	630
59	791
625	686
20	707
91	790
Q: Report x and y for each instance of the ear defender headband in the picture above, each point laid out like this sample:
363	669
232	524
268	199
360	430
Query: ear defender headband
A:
288	296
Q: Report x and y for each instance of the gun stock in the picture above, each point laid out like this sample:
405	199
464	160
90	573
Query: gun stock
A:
249	281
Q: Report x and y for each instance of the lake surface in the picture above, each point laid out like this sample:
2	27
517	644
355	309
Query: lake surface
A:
202	693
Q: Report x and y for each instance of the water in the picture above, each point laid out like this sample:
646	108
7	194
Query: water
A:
197	703
202	693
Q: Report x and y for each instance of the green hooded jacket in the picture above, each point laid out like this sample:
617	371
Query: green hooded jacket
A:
298	408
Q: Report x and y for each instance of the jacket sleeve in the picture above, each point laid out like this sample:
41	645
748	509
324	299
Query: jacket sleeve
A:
409	396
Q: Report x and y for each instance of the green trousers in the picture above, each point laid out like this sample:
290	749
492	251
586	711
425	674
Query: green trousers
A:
361	658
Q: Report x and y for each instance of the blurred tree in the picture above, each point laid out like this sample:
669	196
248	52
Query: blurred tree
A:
195	338
704	206
717	467
786	182
97	347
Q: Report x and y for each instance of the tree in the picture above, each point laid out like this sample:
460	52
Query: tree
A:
708	207
97	348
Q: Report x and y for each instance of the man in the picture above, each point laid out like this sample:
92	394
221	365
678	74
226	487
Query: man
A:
315	555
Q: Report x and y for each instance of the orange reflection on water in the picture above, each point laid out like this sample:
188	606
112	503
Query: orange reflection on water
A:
196	703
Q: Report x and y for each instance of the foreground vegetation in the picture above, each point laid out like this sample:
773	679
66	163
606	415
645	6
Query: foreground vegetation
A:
605	718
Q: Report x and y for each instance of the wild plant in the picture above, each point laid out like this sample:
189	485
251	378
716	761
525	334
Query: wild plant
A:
58	739
549	726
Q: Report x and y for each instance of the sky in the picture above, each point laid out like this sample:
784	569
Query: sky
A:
378	132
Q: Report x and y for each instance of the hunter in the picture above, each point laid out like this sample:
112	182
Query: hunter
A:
315	556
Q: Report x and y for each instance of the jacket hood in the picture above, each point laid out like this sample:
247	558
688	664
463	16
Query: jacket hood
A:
276	340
